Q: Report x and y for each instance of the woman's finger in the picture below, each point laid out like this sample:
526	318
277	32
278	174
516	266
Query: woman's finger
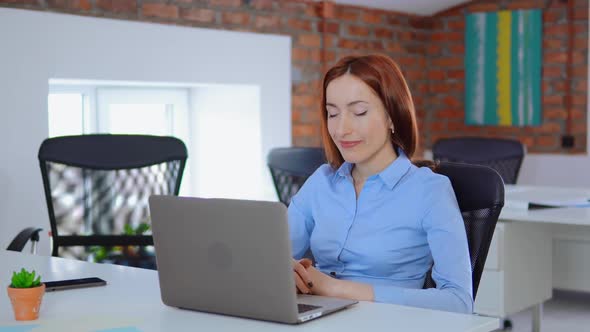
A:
302	272
300	284
306	262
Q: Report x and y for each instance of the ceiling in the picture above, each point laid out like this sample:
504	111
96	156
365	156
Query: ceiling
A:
417	7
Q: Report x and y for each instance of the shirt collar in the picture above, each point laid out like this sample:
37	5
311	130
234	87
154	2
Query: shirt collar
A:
390	175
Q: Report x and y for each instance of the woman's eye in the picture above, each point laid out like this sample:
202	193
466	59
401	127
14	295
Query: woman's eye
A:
332	115
362	113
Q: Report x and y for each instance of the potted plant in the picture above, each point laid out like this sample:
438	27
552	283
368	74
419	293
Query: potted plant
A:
26	292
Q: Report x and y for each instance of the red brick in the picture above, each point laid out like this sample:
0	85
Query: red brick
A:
421	23
383	33
579	100
198	15
357	30
457	24
304	130
448	62
552	71
20	2
455	126
579	128
225	3
309	40
436	75
231	18
580	72
554	113
581	14
437	126
555	57
553	44
118	6
297	24
299	54
315	55
374	45
395	19
546	141
553	100
553	15
458	49
483	7
413	75
350	44
523	4
159	10
294	7
577	114
81	4
451	101
266	22
450	113
346	14
305	101
447	36
394	47
581	86
262	4
372	17
557	30
581	43
550	128
456	74
434	49
330	27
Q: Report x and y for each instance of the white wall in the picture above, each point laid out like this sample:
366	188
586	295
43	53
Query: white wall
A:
36	46
559	170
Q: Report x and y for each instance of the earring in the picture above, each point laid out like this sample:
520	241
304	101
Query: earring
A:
392	130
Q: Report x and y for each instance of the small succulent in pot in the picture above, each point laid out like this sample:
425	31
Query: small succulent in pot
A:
26	292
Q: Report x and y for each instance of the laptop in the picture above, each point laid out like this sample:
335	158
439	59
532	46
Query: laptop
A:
230	257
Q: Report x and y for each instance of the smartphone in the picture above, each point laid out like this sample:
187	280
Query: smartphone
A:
57	285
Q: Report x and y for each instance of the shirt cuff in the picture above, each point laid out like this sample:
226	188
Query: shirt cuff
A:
389	294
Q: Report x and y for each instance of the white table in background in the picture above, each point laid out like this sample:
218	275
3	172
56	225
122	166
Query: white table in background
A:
132	298
520	271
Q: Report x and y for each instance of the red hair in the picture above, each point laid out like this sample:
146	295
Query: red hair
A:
385	78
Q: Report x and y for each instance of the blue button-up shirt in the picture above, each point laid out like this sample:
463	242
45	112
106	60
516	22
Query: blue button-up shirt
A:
405	219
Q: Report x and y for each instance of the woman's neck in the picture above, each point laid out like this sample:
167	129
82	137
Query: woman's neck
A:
375	164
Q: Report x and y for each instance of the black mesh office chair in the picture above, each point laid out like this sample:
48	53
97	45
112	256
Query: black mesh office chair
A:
480	194
503	155
97	187
290	167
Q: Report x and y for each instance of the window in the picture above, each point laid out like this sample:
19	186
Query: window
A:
220	124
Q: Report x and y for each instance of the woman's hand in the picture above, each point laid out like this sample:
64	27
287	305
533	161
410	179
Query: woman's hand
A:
302	278
310	280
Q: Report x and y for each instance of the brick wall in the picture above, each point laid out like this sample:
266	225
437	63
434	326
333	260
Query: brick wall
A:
445	56
428	49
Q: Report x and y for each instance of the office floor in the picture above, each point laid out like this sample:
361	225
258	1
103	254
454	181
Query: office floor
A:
566	311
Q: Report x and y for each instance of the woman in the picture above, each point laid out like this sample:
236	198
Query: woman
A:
376	223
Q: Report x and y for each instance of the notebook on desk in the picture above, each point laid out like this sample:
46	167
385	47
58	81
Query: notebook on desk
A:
231	257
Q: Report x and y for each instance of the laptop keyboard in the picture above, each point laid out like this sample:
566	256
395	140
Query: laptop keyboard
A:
306	307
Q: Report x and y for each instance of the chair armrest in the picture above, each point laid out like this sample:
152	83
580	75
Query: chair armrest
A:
19	242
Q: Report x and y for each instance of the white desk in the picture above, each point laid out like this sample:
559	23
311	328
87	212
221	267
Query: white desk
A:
532	253
132	298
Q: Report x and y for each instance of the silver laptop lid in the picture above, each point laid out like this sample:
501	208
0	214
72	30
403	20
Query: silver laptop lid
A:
224	256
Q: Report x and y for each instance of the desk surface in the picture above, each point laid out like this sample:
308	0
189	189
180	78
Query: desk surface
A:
563	216
132	298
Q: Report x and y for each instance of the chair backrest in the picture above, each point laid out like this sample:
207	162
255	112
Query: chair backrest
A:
290	167
95	185
480	194
503	155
